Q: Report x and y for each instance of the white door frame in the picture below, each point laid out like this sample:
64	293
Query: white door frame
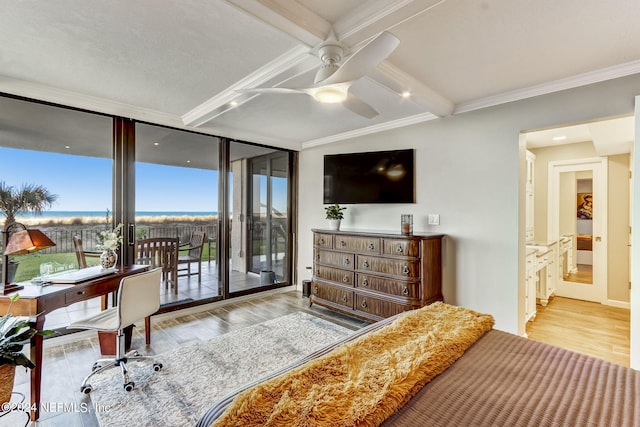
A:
599	166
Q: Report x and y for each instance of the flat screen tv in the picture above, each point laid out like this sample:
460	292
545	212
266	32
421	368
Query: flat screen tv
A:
371	177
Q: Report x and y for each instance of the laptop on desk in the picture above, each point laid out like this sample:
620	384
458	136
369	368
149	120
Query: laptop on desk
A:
81	275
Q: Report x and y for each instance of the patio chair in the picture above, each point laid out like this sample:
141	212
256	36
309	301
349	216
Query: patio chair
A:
194	254
81	254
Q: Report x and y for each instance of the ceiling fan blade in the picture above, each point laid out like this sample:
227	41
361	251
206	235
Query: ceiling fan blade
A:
365	59
359	107
271	90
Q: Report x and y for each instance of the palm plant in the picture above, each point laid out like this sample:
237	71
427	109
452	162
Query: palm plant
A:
28	198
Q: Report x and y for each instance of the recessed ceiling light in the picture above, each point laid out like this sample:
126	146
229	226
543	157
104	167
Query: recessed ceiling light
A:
67	146
156	143
234	103
188	161
406	94
559	138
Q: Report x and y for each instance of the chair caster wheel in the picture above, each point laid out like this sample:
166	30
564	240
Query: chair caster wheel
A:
157	366
86	389
129	386
95	367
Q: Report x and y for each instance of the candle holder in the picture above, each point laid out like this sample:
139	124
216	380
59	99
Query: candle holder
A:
406	223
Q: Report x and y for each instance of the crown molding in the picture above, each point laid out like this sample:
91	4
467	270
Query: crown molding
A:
96	104
393	124
597	76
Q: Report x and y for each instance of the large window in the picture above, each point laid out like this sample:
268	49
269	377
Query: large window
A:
160	182
176	187
68	154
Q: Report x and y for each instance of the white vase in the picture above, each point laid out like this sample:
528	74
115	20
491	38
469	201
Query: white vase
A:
108	259
334	224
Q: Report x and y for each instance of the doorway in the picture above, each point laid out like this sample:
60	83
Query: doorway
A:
577	210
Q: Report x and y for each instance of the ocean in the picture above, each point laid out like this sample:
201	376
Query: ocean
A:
102	214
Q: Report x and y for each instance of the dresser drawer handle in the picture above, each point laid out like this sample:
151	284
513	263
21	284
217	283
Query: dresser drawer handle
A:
345	298
317	257
315	289
345	278
406	270
399	248
365	282
321	241
371	246
405	291
318	272
363	304
343	243
347	261
365	264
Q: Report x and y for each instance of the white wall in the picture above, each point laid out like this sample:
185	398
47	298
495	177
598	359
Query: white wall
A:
468	171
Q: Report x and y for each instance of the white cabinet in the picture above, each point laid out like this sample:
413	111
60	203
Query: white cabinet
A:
530	285
546	270
529	194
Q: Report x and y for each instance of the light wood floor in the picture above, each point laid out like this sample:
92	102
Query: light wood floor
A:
585	327
583	275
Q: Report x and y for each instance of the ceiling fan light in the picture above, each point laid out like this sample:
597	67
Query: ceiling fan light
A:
330	94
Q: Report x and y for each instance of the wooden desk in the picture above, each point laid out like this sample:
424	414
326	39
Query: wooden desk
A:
37	301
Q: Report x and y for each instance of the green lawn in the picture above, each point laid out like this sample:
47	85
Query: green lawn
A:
30	264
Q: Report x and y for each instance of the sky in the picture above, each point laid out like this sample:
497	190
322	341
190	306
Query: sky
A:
84	183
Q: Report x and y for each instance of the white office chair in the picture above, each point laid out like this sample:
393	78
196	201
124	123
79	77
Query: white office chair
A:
138	297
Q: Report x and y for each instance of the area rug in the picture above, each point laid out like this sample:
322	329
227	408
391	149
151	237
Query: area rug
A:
195	376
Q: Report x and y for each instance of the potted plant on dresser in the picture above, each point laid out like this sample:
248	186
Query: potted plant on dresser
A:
15	332
334	215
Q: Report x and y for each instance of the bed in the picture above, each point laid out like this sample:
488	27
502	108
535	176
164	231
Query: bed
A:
585	242
498	379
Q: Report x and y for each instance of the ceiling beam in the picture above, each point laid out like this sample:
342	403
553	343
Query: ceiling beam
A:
399	81
290	17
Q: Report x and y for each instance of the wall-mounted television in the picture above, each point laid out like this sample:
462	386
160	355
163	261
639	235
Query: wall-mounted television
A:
371	177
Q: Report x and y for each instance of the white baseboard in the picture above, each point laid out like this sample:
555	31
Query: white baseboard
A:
619	304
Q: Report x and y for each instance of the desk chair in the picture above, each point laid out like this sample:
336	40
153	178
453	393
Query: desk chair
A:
138	297
81	254
194	246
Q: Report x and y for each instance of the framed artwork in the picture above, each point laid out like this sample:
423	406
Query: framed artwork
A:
585	206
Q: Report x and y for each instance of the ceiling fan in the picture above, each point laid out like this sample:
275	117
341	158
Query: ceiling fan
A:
333	81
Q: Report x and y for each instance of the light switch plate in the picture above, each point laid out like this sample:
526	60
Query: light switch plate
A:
433	219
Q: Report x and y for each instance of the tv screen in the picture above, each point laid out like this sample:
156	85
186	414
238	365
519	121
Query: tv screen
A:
372	177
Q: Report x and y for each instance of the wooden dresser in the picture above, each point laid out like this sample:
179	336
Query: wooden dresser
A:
373	275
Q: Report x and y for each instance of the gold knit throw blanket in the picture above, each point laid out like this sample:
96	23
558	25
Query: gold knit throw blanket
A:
362	383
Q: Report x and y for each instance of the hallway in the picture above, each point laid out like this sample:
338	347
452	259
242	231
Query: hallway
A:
585	327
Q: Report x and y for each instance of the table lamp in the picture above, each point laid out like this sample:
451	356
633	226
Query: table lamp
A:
18	240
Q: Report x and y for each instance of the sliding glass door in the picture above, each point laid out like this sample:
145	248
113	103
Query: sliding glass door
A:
269	221
176	187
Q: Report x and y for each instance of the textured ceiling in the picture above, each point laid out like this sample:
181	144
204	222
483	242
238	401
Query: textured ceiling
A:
181	62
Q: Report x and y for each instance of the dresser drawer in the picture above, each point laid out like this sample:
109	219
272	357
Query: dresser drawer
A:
338	259
323	240
397	247
335	275
394	267
368	245
379	307
388	286
333	294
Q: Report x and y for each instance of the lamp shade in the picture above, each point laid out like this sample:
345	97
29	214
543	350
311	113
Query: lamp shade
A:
27	241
